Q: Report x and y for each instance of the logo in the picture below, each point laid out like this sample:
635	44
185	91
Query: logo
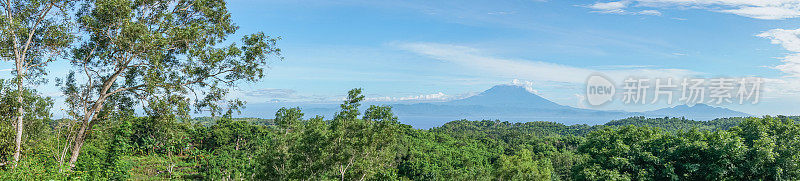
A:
599	90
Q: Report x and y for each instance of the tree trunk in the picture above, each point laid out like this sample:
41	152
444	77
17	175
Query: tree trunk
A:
64	151
79	139
20	126
20	112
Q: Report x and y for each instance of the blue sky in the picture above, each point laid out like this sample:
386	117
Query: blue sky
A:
421	51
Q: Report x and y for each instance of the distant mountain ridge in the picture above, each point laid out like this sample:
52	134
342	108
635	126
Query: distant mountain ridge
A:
703	111
517	104
506	103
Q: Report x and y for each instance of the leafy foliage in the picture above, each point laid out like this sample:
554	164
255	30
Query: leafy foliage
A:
209	121
678	124
373	145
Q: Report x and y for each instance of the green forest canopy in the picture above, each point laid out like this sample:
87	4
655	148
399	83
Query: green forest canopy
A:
370	144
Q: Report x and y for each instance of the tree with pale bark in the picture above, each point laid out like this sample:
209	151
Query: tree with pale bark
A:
171	57
33	34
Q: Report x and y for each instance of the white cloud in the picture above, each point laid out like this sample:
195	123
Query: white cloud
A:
771	13
650	12
501	13
610	7
787	38
528	85
581	101
791	65
426	97
524	69
790	40
759	9
621	66
272	93
618	7
782	88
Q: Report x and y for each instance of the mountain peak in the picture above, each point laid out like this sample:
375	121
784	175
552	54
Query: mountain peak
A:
507	96
701	105
506	88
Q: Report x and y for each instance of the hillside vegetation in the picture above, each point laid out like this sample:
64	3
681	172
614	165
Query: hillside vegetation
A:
210	121
372	145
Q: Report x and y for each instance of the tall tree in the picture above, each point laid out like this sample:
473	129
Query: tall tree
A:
361	148
33	33
37	114
166	54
